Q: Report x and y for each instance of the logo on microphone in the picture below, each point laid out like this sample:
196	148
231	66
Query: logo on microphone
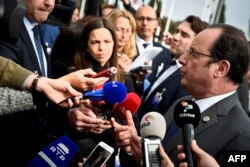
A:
149	117
186	106
147	120
60	150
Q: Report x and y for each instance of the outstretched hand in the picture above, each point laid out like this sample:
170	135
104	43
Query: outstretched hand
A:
81	79
56	90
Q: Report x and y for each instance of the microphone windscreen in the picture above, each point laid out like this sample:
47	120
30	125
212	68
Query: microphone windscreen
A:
131	103
153	124
187	112
58	153
114	92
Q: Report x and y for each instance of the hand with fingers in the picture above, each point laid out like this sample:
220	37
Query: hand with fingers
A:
81	79
203	159
83	119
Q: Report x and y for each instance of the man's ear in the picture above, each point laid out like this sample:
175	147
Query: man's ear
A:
224	67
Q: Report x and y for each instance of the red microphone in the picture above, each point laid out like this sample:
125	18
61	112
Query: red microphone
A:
106	73
131	103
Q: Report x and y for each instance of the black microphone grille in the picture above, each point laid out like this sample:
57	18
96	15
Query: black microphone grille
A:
187	112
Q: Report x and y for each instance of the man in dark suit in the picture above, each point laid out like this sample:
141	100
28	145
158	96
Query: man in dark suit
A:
36	128
212	70
27	55
146	25
165	79
212	76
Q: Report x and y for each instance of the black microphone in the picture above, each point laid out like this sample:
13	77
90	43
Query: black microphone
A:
152	129
187	116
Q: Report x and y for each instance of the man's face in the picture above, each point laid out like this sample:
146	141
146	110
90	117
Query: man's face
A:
182	39
198	76
146	22
38	10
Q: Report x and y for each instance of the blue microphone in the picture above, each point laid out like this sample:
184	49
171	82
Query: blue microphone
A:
57	154
112	92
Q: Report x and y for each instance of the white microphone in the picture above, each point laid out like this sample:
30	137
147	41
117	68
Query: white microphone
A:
152	130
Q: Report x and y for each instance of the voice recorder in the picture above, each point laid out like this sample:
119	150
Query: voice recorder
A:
150	149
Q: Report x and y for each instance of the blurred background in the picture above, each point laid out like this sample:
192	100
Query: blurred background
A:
232	12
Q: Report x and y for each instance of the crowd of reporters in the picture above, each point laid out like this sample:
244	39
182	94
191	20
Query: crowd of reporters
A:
208	68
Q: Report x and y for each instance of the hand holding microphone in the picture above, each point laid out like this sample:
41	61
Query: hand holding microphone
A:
80	79
112	92
123	133
152	129
187	116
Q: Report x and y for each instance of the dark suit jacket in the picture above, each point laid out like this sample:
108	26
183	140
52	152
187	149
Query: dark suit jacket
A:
171	85
173	91
25	54
228	129
34	129
163	57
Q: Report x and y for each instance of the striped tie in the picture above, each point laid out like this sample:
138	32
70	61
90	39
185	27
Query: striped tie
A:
37	38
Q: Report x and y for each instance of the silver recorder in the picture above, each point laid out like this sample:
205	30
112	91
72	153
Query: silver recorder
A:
150	149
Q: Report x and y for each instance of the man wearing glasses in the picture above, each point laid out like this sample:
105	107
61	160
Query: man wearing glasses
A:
146	24
165	85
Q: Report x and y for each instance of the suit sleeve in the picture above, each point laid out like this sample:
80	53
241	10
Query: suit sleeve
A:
13	101
12	74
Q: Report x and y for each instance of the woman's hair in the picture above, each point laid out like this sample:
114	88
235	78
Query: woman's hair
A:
64	47
130	47
83	59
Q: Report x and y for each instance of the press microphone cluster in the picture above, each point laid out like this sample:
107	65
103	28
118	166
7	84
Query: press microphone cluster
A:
112	92
152	130
131	103
187	116
57	154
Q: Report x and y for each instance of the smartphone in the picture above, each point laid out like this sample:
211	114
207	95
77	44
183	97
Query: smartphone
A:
106	73
150	149
142	68
99	155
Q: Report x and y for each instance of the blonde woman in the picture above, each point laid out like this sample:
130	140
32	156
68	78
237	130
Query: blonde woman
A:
125	26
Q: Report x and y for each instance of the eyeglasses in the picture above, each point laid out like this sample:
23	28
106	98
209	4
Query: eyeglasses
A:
149	19
195	55
122	30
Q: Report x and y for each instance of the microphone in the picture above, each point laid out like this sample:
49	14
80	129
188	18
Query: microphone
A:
106	73
58	153
187	116
112	92
152	129
131	103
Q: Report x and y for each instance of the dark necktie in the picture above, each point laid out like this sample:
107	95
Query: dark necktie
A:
145	45
37	38
173	62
